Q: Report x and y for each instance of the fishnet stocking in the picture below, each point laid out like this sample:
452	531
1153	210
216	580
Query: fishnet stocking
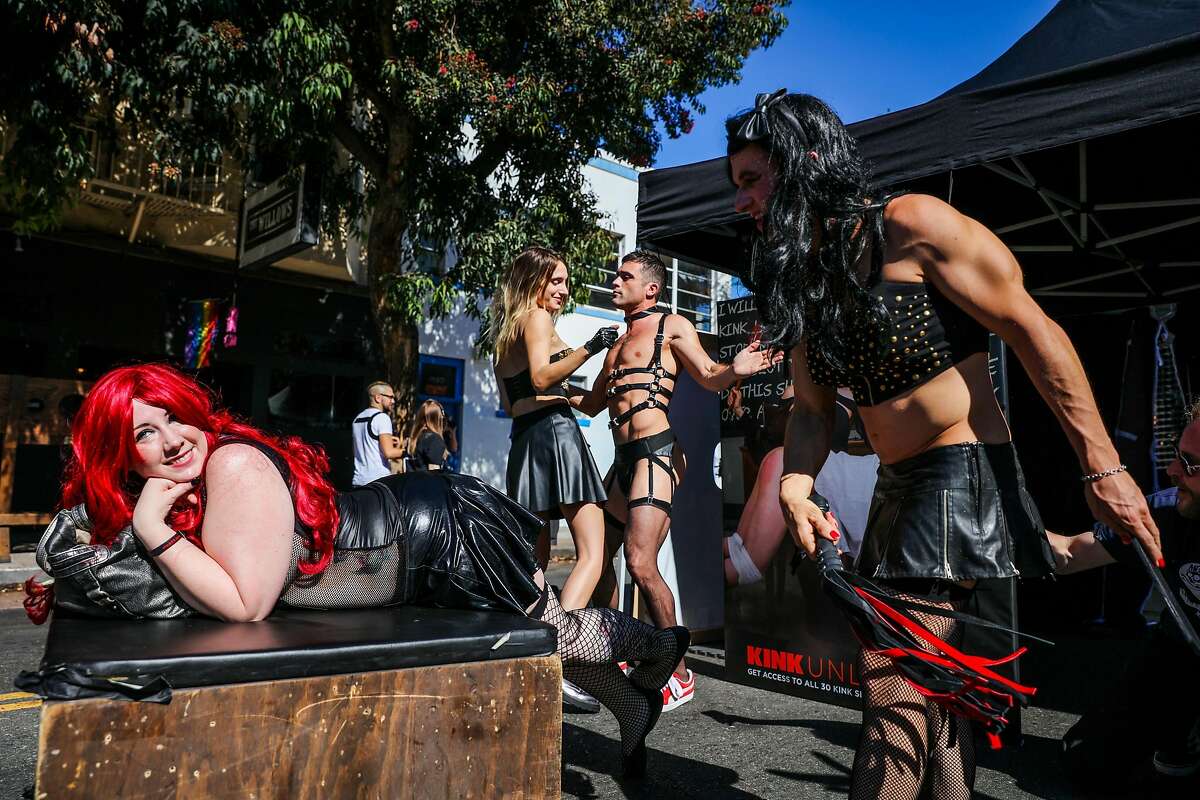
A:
592	640
906	739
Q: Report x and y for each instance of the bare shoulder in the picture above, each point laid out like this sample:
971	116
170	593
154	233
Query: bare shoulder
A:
538	316
243	464
678	325
912	220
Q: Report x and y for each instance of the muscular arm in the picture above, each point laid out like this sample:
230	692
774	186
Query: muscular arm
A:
537	334
685	344
974	269
805	447
247	536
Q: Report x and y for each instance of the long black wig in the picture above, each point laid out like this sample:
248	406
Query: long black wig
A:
817	224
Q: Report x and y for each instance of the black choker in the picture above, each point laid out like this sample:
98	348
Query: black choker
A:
641	315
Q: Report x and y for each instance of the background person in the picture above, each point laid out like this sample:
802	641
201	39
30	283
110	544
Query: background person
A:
550	466
372	433
1158	696
426	445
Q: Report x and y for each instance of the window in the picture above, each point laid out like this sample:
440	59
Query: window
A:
428	256
693	294
600	292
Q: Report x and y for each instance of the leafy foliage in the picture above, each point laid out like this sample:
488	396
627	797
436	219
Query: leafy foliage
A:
464	121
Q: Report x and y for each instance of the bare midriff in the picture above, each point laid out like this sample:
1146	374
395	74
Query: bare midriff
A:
954	407
530	404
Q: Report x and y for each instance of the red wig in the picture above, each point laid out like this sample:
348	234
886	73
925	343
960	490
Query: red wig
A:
99	475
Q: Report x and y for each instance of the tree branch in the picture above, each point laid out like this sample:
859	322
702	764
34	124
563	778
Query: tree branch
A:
489	157
351	139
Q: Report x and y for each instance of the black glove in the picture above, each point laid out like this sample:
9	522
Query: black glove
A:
604	339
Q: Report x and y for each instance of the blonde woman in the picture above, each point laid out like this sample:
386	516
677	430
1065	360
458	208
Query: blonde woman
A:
550	467
426	443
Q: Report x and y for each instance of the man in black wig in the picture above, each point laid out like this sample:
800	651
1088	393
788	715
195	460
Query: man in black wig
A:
893	297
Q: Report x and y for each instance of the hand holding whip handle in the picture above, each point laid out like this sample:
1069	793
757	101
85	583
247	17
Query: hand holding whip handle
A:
1172	603
828	557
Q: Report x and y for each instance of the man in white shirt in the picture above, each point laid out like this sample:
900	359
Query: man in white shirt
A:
374	442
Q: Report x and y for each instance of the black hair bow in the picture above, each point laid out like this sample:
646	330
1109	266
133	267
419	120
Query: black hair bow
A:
756	126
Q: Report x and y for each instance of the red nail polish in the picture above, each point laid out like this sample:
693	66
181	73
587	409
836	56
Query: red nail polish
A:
835	536
1162	564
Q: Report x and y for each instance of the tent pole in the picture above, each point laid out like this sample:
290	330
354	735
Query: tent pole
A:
1044	194
1083	191
1028	184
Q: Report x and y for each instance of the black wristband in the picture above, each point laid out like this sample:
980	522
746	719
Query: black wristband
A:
167	545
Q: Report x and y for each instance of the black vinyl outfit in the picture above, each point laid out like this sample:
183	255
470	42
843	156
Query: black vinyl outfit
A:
949	514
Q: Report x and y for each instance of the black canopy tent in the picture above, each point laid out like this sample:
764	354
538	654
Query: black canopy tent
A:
1076	146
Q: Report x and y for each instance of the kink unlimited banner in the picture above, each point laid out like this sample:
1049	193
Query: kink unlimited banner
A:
781	633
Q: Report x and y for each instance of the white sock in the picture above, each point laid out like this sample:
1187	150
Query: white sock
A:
743	565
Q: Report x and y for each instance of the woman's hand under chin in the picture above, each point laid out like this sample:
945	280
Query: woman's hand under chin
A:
153	504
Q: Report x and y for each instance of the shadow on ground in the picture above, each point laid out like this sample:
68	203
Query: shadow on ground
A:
668	775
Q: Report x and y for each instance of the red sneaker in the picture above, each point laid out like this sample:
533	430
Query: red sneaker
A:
677	692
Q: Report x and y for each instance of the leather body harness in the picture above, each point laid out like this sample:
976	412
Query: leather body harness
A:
654	369
656	448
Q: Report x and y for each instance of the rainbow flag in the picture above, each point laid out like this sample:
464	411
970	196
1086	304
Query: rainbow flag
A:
204	323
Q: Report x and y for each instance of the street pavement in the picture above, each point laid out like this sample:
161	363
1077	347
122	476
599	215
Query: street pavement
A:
732	741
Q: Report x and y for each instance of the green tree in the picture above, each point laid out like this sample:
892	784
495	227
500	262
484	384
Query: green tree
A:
465	121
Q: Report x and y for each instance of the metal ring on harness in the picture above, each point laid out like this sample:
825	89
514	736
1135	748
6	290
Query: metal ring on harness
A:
651	402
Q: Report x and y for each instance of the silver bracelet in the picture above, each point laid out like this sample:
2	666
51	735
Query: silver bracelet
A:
1095	476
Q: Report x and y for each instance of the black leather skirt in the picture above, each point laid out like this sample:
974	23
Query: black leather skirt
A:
550	463
954	513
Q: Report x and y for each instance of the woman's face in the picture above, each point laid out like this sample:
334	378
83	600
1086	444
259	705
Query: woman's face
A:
166	447
755	179
554	295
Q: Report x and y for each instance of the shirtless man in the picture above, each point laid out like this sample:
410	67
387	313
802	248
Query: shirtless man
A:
636	384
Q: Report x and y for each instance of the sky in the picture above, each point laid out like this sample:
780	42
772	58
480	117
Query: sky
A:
864	58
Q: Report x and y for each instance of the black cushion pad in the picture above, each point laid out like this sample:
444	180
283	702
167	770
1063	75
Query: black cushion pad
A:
291	643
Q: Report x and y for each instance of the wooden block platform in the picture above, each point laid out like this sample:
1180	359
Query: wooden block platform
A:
487	729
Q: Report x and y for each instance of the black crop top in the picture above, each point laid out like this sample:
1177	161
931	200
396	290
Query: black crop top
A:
520	386
928	334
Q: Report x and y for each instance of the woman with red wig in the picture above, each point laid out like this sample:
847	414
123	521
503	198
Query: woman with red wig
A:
233	521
